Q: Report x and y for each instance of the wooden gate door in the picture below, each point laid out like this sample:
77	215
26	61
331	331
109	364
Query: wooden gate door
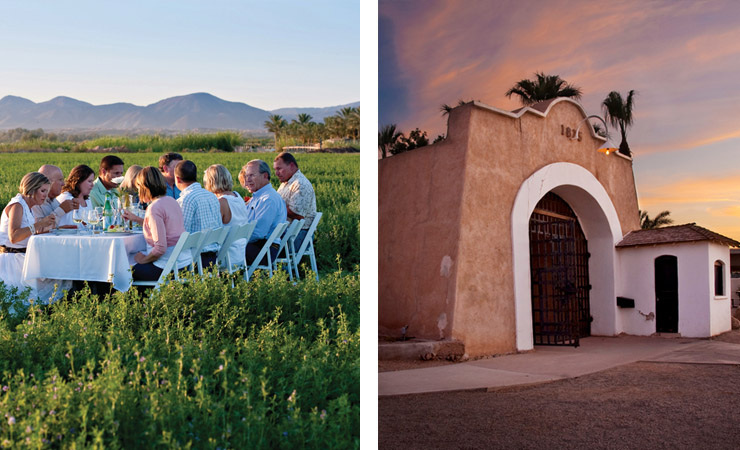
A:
559	274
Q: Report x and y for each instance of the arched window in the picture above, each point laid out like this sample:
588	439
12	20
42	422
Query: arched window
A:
719	278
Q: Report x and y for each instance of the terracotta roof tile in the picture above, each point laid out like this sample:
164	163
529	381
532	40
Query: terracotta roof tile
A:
689	232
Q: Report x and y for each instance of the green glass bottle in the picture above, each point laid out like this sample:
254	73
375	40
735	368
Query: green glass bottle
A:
107	213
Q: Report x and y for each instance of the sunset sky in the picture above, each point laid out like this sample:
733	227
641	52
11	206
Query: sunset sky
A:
682	58
268	54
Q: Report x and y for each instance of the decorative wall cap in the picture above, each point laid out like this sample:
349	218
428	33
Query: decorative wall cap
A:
541	109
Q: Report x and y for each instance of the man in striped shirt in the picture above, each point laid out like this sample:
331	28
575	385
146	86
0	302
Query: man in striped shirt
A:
200	208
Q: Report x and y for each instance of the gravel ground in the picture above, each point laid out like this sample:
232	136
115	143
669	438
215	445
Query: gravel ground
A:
637	406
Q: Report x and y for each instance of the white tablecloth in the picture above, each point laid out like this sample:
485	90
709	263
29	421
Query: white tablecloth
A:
100	257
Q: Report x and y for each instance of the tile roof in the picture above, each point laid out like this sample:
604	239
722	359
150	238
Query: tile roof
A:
689	232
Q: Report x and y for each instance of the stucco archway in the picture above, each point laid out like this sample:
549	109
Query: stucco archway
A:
600	223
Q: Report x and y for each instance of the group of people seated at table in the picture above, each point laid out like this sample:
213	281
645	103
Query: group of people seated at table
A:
175	202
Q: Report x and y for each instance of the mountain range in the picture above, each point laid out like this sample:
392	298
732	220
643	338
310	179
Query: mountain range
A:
200	111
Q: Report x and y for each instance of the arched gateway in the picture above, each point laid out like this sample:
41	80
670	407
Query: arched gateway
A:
558	257
454	226
566	192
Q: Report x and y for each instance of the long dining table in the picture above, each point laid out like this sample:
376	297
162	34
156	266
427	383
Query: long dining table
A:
105	257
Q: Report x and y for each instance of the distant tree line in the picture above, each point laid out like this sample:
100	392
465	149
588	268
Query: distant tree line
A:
24	135
345	124
393	141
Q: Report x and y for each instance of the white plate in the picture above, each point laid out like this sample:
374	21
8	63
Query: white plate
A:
65	231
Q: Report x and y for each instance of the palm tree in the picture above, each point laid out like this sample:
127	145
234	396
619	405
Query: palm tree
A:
445	108
335	126
276	124
351	118
387	138
646	223
304	118
543	87
619	113
302	123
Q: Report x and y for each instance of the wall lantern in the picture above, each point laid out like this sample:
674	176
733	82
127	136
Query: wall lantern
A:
607	150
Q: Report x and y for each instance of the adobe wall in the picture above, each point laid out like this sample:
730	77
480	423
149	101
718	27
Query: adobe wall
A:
445	246
503	152
418	235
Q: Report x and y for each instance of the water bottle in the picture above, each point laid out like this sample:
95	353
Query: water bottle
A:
107	213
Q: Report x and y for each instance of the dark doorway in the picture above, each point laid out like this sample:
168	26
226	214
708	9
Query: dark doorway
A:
558	253
666	294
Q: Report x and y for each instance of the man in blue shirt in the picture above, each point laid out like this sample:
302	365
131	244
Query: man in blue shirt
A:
200	208
167	164
266	207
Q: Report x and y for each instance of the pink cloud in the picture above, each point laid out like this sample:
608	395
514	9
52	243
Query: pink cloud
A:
682	60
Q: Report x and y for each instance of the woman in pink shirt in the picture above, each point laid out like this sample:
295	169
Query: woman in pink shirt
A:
163	225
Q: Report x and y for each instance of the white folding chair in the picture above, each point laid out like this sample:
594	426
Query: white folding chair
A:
187	241
265	252
235	233
285	244
307	248
214	236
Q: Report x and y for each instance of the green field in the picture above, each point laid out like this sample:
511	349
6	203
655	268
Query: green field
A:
335	177
263	364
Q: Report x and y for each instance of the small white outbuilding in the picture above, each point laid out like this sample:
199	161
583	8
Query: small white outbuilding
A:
674	280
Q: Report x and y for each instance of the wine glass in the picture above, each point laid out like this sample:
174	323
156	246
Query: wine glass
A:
93	218
77	218
117	213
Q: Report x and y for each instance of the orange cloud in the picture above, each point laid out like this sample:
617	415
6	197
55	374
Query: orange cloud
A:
730	211
711	202
697	190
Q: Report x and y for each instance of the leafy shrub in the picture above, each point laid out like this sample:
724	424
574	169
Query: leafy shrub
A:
265	364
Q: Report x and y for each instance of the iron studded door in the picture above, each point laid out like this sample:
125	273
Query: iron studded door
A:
556	309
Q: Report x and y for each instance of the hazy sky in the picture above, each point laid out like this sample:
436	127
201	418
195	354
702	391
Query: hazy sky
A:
682	57
268	54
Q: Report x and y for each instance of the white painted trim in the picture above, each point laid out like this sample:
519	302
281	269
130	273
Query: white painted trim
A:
600	223
527	109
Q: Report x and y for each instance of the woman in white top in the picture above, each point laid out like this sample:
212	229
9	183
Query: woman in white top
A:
17	224
217	179
78	185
